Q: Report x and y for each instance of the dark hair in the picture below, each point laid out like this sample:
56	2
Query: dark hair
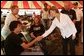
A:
54	9
75	3
13	25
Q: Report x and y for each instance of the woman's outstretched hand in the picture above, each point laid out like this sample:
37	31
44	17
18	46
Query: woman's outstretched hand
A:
39	38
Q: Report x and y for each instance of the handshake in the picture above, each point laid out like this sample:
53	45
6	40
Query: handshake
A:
39	38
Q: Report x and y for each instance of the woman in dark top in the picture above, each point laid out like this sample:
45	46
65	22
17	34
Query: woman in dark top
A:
14	45
38	29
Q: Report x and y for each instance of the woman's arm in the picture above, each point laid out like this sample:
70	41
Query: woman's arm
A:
52	27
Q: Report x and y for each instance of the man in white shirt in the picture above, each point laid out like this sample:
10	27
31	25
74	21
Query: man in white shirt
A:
13	16
67	28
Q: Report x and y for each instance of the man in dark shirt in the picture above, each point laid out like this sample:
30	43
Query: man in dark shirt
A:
14	45
70	12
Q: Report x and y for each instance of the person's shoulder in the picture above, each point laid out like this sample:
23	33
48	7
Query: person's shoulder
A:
62	14
9	14
20	35
11	35
63	10
54	19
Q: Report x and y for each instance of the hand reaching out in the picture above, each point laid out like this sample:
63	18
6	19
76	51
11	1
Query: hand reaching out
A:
27	45
39	38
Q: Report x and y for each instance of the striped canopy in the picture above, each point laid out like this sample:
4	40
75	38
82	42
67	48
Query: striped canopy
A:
37	4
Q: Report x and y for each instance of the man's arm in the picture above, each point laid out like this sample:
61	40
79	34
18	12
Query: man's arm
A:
52	27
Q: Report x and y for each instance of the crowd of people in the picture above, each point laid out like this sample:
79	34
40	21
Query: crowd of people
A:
60	28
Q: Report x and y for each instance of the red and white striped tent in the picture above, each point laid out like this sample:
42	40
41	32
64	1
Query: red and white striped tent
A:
36	4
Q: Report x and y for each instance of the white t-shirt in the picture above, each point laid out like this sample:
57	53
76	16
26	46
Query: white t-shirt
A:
65	25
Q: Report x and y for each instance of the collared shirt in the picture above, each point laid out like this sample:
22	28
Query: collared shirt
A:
65	25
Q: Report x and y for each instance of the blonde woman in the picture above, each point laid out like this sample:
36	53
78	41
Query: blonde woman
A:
67	28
